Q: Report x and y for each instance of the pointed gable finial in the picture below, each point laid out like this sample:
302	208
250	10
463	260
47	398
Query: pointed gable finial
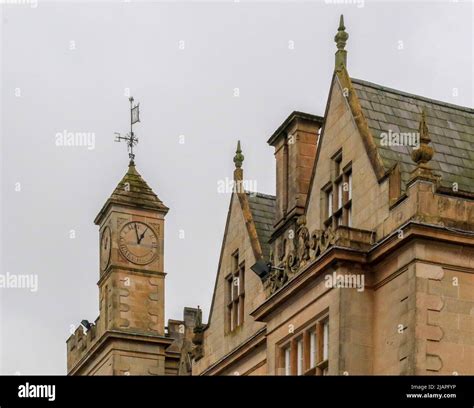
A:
341	39
238	160
424	135
239	157
424	152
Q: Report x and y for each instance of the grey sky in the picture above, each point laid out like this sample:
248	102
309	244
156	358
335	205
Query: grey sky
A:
47	87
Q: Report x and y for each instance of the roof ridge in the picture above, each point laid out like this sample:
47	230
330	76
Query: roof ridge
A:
414	96
263	195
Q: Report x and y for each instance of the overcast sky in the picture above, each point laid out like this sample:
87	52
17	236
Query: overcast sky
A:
206	74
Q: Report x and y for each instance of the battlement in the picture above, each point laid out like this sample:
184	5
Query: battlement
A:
80	342
180	333
181	330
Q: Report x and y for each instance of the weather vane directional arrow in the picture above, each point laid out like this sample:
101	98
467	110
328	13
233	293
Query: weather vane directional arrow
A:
130	138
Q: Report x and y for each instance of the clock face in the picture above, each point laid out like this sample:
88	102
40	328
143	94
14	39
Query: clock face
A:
138	243
105	247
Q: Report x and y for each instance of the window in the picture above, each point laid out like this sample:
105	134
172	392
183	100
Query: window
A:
230	304
349	182
287	363
347	212
337	159
299	357
338	194
329	201
235	294
326	340
241	293
312	349
308	352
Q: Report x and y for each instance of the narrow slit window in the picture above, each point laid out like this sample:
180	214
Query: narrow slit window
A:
325	340
299	357
312	349
287	360
329	202
339	195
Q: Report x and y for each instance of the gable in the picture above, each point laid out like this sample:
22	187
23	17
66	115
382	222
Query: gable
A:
217	342
342	132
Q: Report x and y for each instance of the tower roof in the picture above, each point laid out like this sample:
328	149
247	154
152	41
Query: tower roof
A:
133	191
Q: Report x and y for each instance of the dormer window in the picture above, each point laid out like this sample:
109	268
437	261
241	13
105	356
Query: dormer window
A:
349	183
347	188
235	294
337	194
337	159
330	196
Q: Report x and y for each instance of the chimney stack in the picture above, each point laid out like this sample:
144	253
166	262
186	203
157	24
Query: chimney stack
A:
295	143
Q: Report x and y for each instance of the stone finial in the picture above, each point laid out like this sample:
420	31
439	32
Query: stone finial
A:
238	172
424	153
239	157
341	39
341	36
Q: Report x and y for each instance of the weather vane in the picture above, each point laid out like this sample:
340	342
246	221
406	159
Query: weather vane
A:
130	138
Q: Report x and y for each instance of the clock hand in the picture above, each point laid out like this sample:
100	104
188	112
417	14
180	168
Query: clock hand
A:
143	235
136	232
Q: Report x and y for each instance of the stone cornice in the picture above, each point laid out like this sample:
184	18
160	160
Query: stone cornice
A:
307	274
413	229
294	116
137	271
311	271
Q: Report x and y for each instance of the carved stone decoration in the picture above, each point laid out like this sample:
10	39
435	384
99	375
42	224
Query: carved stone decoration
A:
303	242
277	279
322	240
282	250
301	245
304	247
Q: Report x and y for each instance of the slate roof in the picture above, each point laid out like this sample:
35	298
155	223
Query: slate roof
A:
450	127
133	191
262	207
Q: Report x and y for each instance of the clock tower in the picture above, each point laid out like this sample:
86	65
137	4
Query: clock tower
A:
128	338
131	231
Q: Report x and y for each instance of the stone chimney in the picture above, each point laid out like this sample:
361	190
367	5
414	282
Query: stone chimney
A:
295	143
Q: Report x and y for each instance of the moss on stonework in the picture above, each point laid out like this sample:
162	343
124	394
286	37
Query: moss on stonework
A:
133	190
